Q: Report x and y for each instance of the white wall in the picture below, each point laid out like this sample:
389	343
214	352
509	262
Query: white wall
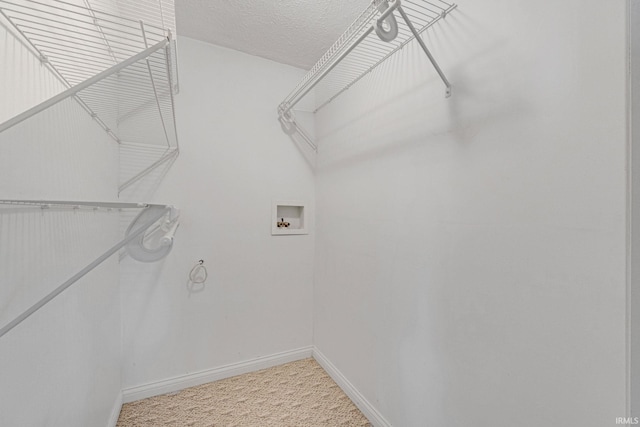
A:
634	303
470	266
234	160
61	366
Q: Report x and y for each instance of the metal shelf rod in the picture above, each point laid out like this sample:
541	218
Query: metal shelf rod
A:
291	104
426	50
355	54
153	84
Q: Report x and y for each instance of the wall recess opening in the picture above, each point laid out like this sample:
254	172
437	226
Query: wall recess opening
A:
288	217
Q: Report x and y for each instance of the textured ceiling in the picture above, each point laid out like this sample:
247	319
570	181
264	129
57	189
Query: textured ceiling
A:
294	32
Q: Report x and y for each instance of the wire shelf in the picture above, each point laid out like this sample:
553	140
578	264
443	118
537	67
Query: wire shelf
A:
148	238
77	41
122	71
359	49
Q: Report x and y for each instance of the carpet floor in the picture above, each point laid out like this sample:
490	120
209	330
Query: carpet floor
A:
296	394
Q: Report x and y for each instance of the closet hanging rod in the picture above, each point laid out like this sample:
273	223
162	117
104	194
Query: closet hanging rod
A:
77	88
326	71
154	86
311	79
161	211
357	52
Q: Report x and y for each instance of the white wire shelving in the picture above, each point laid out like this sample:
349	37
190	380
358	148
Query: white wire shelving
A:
380	31
117	59
154	223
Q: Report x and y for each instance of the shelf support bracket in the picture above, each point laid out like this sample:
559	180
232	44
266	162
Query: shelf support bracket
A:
81	86
426	50
290	126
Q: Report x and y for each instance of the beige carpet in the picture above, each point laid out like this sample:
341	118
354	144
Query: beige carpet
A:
297	394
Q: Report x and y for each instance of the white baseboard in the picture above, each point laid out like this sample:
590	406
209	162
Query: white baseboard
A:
115	412
369	411
190	380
